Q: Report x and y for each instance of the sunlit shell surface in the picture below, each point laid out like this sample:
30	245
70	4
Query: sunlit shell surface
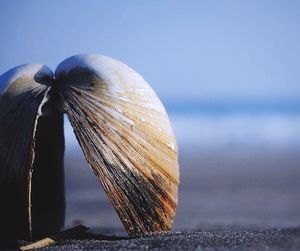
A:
122	128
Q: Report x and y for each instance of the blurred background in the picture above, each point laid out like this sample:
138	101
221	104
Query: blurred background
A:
228	73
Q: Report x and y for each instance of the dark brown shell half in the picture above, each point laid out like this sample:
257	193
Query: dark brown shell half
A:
31	155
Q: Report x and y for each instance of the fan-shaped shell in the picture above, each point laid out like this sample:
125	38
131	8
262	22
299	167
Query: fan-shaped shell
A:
126	137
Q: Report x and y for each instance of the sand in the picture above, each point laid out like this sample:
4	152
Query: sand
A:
278	239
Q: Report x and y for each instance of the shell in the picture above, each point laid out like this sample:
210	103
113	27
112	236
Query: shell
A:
123	130
126	137
30	201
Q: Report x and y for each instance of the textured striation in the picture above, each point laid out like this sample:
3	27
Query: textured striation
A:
126	137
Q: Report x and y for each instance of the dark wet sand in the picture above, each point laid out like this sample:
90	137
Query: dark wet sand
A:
277	239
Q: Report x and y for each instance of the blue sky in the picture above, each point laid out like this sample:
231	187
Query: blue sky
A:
189	51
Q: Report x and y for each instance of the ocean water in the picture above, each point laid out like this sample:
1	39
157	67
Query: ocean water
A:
228	128
225	130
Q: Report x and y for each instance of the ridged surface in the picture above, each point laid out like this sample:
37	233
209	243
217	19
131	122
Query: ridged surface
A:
126	137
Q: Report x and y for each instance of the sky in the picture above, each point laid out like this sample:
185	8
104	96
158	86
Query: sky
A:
193	52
